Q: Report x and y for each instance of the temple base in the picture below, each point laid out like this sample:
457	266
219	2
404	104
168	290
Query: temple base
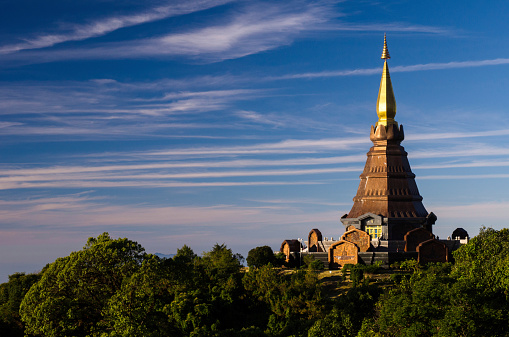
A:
383	228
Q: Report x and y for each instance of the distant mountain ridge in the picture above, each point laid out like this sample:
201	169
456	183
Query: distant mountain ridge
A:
165	256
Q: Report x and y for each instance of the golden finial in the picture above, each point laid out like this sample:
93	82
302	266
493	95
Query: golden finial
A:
385	52
386	102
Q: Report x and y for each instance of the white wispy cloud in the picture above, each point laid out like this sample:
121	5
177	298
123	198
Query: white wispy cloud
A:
9	124
256	117
71	203
284	146
85	212
457	135
451	65
240	163
95	129
196	102
392	27
396	69
471	150
116	172
96	97
146	184
465	176
324	144
481	213
477	163
78	32
211	93
88	109
249	30
172	180
256	30
299	202
184	173
173	176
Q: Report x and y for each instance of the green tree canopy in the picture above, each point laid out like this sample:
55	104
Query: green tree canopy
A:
468	298
184	296
484	261
71	295
287	302
260	256
221	261
112	288
140	307
11	295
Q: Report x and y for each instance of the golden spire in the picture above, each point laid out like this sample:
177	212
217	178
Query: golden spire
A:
385	52
386	102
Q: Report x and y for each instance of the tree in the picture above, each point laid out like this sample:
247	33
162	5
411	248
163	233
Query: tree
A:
11	295
417	306
223	301
182	266
484	261
138	307
334	324
185	255
288	303
435	302
221	262
183	296
260	256
73	292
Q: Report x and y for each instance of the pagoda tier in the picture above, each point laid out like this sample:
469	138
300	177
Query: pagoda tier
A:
388	203
387	185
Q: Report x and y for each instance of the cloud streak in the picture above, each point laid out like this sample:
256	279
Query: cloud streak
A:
179	221
482	213
215	173
145	184
396	69
465	176
392	27
94	97
111	24
250	30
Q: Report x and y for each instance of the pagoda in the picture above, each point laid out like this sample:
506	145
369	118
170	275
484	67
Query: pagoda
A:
387	204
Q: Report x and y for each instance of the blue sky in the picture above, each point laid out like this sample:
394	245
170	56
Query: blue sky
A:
238	122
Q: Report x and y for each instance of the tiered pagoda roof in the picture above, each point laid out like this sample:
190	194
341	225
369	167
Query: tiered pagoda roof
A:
387	187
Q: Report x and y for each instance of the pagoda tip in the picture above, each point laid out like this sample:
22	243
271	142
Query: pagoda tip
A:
385	52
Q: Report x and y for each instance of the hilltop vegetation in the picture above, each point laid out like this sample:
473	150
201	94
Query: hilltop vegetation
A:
113	288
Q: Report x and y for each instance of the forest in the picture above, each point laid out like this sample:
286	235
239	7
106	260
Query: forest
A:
112	287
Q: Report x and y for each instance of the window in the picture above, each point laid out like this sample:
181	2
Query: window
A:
374	231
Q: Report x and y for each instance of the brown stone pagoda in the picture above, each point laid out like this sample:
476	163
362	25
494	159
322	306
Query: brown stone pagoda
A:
388	203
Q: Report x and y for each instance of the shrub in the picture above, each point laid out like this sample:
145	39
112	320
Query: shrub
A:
260	256
396	278
316	265
409	265
356	275
346	268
